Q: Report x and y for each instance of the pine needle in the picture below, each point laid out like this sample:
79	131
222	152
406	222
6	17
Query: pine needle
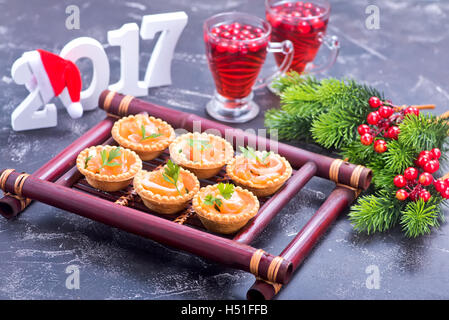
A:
419	217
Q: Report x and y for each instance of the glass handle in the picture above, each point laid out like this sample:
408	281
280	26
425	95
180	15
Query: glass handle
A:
332	43
284	47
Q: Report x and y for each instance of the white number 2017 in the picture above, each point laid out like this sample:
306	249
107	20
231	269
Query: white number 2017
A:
27	115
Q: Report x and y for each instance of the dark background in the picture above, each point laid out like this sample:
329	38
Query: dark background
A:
406	58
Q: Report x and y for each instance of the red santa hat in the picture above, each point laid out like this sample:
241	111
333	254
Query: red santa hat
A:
53	74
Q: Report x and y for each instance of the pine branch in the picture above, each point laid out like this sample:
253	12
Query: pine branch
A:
357	153
291	79
423	132
419	217
329	112
375	213
336	128
303	99
288	127
399	157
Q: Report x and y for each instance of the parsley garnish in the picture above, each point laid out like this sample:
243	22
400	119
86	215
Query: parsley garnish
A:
106	159
151	136
171	174
199	144
210	200
226	191
86	161
250	153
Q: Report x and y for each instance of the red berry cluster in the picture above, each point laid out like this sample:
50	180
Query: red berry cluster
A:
413	187
234	38
298	16
384	122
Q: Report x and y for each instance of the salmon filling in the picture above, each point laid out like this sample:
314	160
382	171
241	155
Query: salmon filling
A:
257	171
239	202
114	166
202	149
155	182
141	129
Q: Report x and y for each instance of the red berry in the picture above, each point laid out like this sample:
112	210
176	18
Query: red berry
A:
425	195
363	128
225	34
373	118
317	23
380	146
235	32
425	179
422	161
393	132
385	112
304	27
411	110
253	47
439	185
399	181
411	173
236	25
427	154
215	31
233	48
436	153
366	139
445	193
431	166
375	102
318	11
414	195
308	5
307	13
222	46
401	194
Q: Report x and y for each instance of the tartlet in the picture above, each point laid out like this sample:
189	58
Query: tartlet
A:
231	216
161	196
108	168
146	135
201	153
263	173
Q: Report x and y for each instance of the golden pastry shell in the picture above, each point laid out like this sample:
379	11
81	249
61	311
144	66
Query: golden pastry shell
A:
141	147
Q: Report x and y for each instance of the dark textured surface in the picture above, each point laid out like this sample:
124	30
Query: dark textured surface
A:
406	58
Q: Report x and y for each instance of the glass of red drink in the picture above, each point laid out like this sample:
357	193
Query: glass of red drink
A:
236	48
304	23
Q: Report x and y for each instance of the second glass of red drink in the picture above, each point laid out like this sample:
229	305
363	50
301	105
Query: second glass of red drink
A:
304	23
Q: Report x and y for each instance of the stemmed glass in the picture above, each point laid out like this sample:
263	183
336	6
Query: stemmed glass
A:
236	48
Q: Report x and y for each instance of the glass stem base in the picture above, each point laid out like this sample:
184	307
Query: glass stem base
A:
232	110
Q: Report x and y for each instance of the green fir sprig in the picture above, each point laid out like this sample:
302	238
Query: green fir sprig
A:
328	112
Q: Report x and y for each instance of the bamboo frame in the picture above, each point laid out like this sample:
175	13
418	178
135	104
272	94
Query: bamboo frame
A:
123	210
11	206
203	244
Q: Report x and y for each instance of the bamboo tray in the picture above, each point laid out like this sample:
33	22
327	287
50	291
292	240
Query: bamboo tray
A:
58	183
